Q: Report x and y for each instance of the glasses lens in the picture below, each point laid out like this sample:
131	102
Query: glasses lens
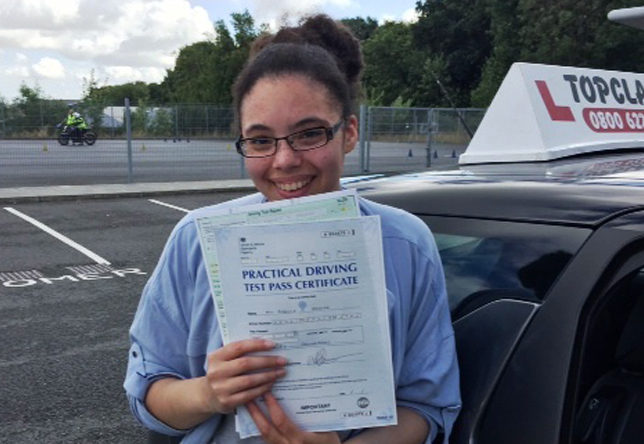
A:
309	139
258	146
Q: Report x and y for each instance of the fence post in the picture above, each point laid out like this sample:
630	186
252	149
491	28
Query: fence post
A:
430	132
112	125
363	135
242	170
176	122
3	120
365	168
207	125
128	135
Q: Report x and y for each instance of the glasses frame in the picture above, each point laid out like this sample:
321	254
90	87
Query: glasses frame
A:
330	132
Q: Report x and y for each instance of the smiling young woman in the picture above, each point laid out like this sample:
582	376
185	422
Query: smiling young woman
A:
278	106
295	107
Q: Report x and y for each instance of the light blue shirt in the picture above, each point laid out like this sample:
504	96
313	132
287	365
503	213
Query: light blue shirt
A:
175	326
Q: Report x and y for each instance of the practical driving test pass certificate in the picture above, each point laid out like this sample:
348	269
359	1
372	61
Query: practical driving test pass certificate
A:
317	289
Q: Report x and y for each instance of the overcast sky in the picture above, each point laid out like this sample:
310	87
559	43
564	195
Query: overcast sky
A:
57	45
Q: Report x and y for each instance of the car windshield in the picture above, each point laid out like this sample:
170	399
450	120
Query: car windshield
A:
486	260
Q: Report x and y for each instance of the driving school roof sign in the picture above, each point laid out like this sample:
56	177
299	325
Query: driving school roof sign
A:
546	112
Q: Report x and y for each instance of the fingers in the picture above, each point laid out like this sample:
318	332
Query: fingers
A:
232	360
271	433
236	379
239	348
279	418
227	402
263	425
279	429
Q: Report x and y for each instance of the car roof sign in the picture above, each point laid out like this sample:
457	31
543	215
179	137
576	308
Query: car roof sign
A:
544	112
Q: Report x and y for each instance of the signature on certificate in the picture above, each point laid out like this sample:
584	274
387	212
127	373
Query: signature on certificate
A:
320	357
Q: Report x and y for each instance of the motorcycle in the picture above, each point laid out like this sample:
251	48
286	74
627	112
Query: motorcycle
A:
87	136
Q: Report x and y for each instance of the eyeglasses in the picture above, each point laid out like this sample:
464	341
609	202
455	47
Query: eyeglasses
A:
305	140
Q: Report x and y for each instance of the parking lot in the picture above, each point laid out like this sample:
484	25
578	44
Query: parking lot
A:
71	273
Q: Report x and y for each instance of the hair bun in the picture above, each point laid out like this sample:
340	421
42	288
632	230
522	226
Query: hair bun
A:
321	30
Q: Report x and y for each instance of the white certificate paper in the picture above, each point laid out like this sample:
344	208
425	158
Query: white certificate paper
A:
317	289
327	206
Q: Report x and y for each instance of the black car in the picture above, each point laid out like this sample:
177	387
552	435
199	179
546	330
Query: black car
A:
545	276
541	233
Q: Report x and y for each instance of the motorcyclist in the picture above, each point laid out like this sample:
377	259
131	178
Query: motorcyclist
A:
77	125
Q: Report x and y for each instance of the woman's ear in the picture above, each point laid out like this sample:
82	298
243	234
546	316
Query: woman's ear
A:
351	133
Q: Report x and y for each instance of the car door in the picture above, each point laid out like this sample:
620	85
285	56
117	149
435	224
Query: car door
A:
539	394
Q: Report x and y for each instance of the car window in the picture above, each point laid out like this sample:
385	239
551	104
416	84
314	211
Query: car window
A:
488	260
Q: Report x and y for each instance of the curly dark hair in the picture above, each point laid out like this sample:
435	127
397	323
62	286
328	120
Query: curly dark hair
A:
320	48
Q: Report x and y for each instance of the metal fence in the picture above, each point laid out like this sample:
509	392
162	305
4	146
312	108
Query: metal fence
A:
193	142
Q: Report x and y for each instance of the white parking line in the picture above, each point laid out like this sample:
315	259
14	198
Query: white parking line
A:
158	202
93	256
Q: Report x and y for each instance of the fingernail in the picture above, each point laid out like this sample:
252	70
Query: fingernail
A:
282	361
269	343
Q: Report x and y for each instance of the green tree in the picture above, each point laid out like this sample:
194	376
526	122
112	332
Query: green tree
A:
571	33
458	32
115	95
565	32
434	88
393	66
505	23
33	113
139	118
362	28
205	71
162	123
92	102
194	73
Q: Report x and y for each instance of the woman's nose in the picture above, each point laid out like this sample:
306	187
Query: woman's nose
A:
286	156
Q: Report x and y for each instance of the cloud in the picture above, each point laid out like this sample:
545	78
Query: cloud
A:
37	14
19	67
121	74
17	71
276	11
50	68
106	34
410	16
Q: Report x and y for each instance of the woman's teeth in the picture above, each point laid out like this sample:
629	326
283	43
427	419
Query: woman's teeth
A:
292	186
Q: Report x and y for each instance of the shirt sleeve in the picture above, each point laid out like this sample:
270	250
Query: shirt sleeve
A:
159	332
429	378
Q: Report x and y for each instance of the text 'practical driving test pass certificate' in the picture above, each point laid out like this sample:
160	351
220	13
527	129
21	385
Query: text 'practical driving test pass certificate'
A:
317	290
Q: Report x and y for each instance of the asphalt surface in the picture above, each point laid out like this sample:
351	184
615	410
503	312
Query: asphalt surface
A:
74	261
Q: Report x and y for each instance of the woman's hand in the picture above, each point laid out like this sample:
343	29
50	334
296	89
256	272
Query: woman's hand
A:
279	429
236	379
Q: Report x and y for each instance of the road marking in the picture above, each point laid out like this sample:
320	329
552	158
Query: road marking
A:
158	202
80	274
90	269
19	275
93	256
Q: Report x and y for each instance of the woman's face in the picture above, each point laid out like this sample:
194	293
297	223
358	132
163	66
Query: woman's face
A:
277	107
